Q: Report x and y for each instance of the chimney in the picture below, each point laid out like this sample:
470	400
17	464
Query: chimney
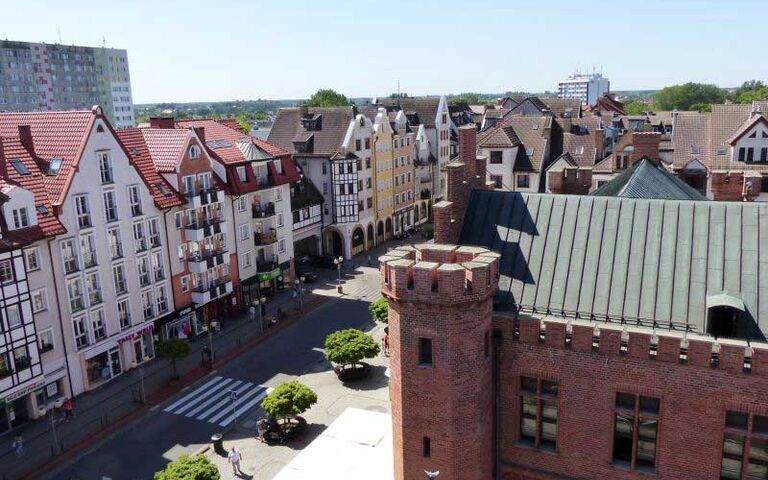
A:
303	111
200	132
162	122
646	144
25	137
468	149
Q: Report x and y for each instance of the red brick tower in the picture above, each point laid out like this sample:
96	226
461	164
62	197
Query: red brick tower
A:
440	309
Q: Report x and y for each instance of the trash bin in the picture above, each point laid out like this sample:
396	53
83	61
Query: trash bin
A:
217	440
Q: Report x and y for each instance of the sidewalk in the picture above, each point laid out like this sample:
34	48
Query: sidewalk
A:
261	461
110	406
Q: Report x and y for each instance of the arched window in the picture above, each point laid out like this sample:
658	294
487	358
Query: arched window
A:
194	152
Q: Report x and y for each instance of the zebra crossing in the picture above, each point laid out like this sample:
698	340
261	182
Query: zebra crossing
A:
219	400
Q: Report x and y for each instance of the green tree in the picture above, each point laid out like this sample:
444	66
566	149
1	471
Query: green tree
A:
189	468
472	98
327	97
350	347
398	95
749	96
173	349
633	107
289	399
683	97
701	107
379	310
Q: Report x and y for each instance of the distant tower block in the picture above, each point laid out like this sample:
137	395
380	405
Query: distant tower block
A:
440	310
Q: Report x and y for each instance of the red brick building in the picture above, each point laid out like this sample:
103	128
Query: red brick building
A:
580	337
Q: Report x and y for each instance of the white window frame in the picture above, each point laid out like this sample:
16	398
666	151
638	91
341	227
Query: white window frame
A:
33	252
83	211
194	152
20	218
110	205
14	320
242	204
42	295
105	160
184	283
281	248
6	267
178	219
246	260
134	200
244	231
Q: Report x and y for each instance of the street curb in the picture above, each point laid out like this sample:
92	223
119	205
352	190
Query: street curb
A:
98	438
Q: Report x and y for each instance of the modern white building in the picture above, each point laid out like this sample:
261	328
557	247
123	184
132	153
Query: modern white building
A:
585	87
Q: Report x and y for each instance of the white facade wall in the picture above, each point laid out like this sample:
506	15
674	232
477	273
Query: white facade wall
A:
118	339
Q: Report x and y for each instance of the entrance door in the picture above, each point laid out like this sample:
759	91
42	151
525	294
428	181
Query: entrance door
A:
114	362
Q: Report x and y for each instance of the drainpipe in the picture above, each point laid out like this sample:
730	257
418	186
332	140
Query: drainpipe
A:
61	322
497	339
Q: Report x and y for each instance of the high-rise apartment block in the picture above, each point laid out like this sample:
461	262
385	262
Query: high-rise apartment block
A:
587	88
42	76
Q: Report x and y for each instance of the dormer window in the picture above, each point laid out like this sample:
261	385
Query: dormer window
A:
194	152
722	151
20	218
241	174
278	166
312	123
529	152
724	316
695	150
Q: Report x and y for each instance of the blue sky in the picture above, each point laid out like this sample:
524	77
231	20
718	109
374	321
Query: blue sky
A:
237	49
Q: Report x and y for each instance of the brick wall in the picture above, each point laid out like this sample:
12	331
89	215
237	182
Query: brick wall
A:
729	186
693	398
444	294
571	181
646	144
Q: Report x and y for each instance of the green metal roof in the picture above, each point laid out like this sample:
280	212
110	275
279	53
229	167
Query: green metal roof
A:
646	262
645	179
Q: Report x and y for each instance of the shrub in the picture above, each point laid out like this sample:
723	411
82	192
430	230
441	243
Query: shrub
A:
289	399
350	347
173	349
189	468
379	310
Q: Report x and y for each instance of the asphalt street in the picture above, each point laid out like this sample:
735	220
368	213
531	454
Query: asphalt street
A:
145	446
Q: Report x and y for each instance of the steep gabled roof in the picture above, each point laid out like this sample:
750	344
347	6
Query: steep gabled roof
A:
645	179
163	193
325	141
221	141
56	135
747	126
166	146
47	223
425	107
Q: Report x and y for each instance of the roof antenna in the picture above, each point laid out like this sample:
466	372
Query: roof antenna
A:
398	92
59	27
103	42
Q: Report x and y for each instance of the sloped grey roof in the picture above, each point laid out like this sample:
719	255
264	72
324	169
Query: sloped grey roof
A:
644	261
645	179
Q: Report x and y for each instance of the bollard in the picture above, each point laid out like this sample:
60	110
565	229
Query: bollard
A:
218	443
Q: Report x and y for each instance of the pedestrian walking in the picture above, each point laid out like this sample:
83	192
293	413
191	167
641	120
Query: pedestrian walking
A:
370	261
18	445
385	344
252	313
234	459
69	409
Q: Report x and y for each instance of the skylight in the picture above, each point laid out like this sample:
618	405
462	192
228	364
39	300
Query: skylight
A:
19	167
41	209
529	152
535	126
213	144
224	143
163	189
135	151
54	167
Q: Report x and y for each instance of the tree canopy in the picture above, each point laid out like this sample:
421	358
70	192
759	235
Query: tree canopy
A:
173	348
633	107
750	91
473	98
350	347
688	95
189	468
289	398
379	310
327	97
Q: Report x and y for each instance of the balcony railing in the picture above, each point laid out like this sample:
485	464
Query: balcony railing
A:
266	266
159	274
263	210
264	238
144	279
21	363
76	304
81	341
125	321
94	298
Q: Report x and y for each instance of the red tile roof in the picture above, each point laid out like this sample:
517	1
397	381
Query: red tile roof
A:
164	195
229	153
166	146
47	223
55	134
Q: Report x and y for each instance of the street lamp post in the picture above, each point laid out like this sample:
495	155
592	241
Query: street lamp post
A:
259	303
142	390
52	417
233	396
338	262
211	326
301	290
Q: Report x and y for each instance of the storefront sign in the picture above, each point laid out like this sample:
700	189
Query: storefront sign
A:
25	391
271	275
137	333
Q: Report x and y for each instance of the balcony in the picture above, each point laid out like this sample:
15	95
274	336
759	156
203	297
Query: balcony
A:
203	294
70	265
265	266
264	210
199	230
89	259
263	239
94	298
207	259
200	197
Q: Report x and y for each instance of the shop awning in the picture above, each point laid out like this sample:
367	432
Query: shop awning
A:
271	275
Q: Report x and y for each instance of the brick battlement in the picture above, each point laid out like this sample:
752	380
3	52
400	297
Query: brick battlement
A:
439	274
733	356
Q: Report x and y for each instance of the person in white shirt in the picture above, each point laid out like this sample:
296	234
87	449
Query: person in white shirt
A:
234	459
